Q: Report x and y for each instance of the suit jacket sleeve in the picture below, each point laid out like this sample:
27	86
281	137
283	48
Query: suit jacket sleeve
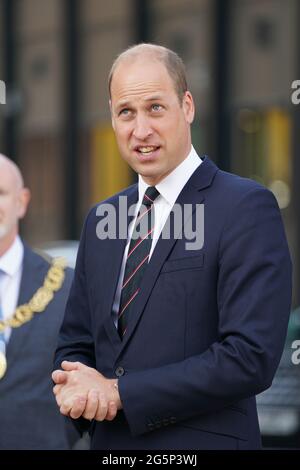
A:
253	295
75	339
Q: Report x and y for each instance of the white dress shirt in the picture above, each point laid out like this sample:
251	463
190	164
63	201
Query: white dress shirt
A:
169	188
11	265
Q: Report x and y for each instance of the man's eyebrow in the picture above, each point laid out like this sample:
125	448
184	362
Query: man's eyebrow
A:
154	98
122	104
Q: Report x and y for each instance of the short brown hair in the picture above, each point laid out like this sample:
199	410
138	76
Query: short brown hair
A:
170	60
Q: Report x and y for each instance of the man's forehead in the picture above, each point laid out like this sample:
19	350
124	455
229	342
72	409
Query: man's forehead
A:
6	177
129	85
9	175
139	70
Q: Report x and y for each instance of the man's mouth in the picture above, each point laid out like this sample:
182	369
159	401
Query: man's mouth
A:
146	150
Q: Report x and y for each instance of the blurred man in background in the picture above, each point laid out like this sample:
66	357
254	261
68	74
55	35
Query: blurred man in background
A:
33	293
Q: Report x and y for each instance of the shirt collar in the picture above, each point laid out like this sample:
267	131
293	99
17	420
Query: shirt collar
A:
12	259
171	186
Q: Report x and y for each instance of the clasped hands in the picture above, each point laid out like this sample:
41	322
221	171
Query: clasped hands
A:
82	391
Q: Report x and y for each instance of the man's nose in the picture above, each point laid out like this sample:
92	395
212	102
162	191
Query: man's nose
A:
142	128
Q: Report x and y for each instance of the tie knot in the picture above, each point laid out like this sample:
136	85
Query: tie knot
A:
150	195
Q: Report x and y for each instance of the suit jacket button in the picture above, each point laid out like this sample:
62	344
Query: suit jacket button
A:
119	371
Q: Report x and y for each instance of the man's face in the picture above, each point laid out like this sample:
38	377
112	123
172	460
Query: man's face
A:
152	127
13	203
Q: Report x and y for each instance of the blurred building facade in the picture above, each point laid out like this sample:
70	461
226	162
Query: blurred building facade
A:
241	58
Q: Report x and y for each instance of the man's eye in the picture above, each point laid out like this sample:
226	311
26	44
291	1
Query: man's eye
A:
124	112
156	107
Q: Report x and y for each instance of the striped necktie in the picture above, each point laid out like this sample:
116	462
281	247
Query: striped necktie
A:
137	258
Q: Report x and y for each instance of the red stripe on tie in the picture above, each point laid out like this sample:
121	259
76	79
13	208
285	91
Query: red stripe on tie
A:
145	195
142	215
139	242
135	271
129	301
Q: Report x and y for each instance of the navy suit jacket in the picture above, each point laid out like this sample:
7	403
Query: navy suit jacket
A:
29	417
208	328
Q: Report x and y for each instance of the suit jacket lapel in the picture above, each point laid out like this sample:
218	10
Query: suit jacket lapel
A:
32	278
115	258
201	179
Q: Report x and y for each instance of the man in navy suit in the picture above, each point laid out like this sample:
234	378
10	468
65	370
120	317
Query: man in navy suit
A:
30	318
171	354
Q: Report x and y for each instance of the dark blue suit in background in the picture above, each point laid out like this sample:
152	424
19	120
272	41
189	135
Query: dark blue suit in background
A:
209	325
29	417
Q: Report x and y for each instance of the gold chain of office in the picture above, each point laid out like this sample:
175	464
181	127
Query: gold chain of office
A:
52	283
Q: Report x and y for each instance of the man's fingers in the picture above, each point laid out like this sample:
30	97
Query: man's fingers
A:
112	411
78	407
102	408
58	400
57	394
91	405
57	389
59	376
68	365
65	408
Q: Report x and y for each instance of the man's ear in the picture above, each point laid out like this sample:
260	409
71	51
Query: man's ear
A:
23	201
188	107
